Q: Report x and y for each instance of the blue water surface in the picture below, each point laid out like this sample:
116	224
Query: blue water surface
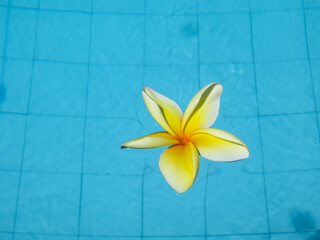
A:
71	75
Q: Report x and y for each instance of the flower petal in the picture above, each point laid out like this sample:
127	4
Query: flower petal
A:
218	145
154	140
179	165
165	111
203	109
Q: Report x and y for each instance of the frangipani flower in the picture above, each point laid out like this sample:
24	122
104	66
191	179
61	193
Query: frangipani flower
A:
189	135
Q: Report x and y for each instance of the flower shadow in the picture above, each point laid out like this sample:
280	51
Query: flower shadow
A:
302	221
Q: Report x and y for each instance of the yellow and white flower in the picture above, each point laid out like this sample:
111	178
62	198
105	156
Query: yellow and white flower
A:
189	135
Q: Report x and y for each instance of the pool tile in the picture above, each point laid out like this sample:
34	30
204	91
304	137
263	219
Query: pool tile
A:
12	129
296	236
63	36
111	204
114	6
3	23
239	87
163	208
241	237
102	147
59	88
54	144
22	25
284	87
197	237
315	67
24	3
258	5
72	5
212	6
171	40
33	236
117	39
15	85
232	196
8	187
170	7
217	34
313	31
174	237
179	83
290	142
293	200
311	3
279	35
48	203
108	238
113	90
6	236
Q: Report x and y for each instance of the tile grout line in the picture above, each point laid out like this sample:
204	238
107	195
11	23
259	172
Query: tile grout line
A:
139	175
165	236
198	46
142	202
3	64
85	125
310	67
199	87
155	14
143	84
69	116
259	124
144	46
5	46
205	203
78	173
133	119
156	65
26	122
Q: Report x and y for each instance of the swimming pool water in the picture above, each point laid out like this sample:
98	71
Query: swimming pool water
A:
71	75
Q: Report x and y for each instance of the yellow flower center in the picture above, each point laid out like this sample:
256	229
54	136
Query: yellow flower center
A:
184	139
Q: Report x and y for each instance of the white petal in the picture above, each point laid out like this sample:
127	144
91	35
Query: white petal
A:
218	145
165	111
203	109
179	165
154	140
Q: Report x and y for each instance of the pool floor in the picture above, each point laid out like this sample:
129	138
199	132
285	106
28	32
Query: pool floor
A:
71	76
